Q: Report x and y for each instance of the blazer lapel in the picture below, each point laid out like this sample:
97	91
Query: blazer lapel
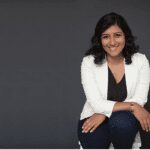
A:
101	73
129	75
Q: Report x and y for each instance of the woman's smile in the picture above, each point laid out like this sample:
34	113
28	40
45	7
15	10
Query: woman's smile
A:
113	48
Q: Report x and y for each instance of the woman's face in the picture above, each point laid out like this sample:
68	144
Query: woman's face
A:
113	41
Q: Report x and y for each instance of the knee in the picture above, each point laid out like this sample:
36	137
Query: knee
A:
123	120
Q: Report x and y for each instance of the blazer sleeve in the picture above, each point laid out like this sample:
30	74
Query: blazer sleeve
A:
141	92
93	96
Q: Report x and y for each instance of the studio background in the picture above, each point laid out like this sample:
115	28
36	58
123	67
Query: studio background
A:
42	43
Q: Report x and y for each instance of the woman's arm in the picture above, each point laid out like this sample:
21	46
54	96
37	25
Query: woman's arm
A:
122	106
140	113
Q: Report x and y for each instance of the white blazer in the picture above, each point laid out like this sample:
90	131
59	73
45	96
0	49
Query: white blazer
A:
94	79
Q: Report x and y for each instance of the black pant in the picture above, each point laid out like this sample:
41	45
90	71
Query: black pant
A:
145	139
145	136
120	129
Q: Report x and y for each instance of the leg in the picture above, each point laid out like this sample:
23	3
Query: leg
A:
145	139
123	128
99	139
145	136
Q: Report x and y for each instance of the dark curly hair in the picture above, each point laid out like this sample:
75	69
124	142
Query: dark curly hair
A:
103	24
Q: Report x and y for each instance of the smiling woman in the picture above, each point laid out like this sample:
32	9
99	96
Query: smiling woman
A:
115	79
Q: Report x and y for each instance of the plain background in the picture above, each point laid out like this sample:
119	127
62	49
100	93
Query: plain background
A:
42	43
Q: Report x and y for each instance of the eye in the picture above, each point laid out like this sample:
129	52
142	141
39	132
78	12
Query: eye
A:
118	35
105	36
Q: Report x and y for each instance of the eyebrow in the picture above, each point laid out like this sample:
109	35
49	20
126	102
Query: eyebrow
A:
113	33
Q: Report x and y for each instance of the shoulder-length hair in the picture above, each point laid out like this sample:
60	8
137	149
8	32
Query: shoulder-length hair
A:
103	24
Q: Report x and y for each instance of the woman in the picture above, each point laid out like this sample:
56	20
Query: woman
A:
115	79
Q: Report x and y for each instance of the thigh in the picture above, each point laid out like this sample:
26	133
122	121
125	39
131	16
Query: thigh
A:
100	138
123	128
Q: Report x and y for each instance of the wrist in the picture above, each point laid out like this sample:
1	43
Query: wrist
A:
131	108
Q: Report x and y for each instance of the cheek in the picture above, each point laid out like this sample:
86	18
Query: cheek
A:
104	43
122	42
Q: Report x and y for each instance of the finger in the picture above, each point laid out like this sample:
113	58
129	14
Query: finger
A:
93	128
142	125
148	122
149	116
85	123
88	128
145	123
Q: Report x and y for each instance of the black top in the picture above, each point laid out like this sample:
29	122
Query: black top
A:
116	91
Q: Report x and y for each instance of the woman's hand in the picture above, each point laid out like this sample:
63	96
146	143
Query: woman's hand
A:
142	115
93	122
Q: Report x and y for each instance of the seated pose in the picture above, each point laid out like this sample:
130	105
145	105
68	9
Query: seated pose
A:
115	79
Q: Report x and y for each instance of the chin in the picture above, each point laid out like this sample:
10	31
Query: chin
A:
114	54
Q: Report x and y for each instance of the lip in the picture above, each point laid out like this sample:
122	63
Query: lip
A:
112	48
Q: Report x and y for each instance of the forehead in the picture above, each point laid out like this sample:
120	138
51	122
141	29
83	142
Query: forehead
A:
112	29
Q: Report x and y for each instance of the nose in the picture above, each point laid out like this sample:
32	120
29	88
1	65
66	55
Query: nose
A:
112	41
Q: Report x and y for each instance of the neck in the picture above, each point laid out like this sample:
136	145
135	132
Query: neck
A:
114	60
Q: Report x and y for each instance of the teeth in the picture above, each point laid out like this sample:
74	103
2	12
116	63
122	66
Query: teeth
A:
112	49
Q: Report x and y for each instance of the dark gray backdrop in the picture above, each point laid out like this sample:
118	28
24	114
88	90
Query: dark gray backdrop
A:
41	47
